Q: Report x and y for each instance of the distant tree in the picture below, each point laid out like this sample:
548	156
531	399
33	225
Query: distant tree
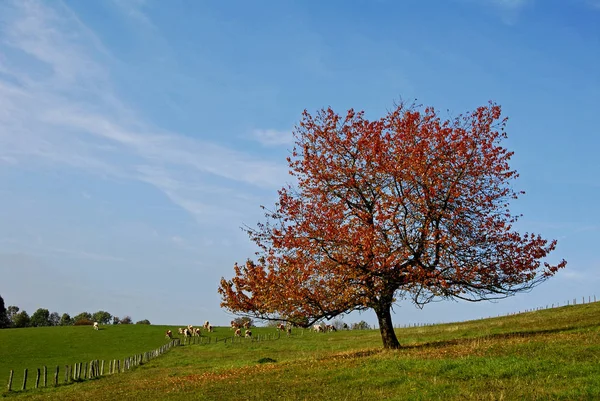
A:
40	318
54	319
362	325
82	316
83	322
240	321
21	319
338	324
116	320
11	311
145	321
4	320
127	320
102	317
65	320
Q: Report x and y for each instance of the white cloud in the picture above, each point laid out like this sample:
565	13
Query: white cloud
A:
508	11
59	108
512	4
595	4
271	137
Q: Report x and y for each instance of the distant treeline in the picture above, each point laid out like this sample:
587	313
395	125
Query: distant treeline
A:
13	316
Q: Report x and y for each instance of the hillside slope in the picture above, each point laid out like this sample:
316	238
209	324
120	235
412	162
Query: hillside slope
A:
548	354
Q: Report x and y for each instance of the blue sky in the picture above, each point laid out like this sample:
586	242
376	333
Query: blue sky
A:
137	136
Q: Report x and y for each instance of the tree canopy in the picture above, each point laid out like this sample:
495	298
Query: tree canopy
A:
406	206
40	318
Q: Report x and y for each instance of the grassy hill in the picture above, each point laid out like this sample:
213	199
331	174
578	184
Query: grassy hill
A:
548	354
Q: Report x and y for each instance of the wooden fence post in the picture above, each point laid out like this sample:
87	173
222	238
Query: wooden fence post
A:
37	378
10	379
66	373
56	376
102	368
24	380
45	376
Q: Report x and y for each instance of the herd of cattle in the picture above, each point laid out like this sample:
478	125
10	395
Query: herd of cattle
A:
191	331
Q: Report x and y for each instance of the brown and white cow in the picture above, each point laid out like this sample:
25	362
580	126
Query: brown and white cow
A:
248	334
169	334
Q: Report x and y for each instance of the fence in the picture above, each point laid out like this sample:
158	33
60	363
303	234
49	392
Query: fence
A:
590	299
94	369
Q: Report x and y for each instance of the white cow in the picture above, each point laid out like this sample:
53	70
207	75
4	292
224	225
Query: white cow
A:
96	326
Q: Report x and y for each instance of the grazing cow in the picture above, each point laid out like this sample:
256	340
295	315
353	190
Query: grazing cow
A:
169	334
209	328
330	327
206	324
180	330
317	328
186	332
281	327
238	332
96	326
288	331
234	325
248	334
196	332
247	324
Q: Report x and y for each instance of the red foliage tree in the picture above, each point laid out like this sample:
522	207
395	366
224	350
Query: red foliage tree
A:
405	206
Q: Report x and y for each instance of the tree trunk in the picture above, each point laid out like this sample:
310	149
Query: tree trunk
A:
386	328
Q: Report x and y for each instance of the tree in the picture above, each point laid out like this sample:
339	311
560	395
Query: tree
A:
116	320
40	318
21	319
245	320
65	320
102	317
11	311
407	206
362	325
54	319
126	320
4	320
145	321
84	318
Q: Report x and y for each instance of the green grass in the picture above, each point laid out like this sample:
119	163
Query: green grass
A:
549	354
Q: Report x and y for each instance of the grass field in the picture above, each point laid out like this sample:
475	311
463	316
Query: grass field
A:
33	348
548	354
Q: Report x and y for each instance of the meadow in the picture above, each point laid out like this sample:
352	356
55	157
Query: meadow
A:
547	354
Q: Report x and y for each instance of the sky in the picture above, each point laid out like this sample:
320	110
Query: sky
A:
137	137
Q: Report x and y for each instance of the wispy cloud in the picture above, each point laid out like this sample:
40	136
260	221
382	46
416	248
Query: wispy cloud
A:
58	107
135	9
271	137
512	4
508	11
595	4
